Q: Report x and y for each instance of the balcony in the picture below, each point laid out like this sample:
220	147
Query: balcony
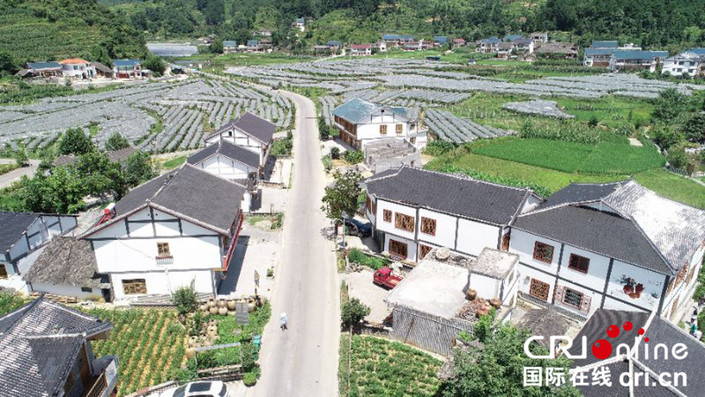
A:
164	260
105	378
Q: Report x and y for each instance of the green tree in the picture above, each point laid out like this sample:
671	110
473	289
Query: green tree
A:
214	12
61	192
495	367
8	64
353	156
139	168
342	196
670	104
21	157
216	46
185	299
694	128
100	175
352	312
155	64
75	141
116	142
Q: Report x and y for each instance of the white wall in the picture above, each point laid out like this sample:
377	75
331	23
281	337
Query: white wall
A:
597	270
243	140
225	167
445	228
527	273
411	246
486	287
473	237
389	226
370	215
522	244
653	284
596	298
165	283
65	290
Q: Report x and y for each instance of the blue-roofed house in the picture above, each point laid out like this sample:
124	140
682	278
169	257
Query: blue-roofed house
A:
229	46
597	57
254	46
488	45
396	40
44	69
690	62
440	40
300	23
334	44
361	122
613	44
126	68
622	60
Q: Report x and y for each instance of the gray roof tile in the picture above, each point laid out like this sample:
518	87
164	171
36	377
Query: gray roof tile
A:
254	126
13	225
229	150
66	261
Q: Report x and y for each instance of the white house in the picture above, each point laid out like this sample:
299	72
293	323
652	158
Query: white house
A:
488	45
229	46
77	68
23	236
539	37
361	49
249	132
614	246
361	122
627	60
413	211
67	267
177	229
686	63
126	68
300	23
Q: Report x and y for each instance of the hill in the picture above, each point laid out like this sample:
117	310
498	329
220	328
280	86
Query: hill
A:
40	30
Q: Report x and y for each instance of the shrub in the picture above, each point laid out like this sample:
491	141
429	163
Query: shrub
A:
353	156
357	256
354	311
185	299
249	379
21	158
327	163
437	148
282	147
335	153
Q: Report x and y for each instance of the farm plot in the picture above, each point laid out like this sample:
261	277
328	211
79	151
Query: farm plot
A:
448	127
538	107
372	366
187	111
150	345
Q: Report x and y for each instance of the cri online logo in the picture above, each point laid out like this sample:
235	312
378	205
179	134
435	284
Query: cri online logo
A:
602	348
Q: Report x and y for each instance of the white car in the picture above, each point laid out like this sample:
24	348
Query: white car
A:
200	389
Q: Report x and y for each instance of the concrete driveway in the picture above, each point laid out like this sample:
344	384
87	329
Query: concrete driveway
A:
15	175
360	286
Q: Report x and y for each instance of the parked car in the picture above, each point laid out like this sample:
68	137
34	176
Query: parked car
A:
386	278
200	389
354	227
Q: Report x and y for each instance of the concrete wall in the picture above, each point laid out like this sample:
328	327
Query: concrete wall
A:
411	250
474	236
225	167
166	281
66	290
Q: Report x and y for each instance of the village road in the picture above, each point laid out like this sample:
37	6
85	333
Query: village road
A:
17	174
303	360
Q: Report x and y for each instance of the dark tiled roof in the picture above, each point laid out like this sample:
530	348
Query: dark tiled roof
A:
254	126
580	193
39	343
452	194
121	155
189	193
229	150
65	261
600	232
617	390
13	225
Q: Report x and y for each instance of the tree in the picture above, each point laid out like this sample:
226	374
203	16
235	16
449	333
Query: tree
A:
669	104
185	299
21	157
495	367
214	12
8	64
100	175
75	141
61	192
139	168
342	196
155	64
694	128
353	156
116	142
216	46
352	312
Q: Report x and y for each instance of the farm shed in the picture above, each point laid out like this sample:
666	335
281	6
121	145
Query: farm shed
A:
102	70
67	267
384	154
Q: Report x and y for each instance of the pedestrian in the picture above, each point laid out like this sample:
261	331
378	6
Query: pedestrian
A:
693	328
283	319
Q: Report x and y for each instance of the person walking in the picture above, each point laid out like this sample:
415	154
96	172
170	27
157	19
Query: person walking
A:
284	320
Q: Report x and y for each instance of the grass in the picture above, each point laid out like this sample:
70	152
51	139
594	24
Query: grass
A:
5	168
10	302
371	366
673	186
603	158
173	163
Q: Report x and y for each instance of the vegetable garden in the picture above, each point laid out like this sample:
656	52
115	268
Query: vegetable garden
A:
372	366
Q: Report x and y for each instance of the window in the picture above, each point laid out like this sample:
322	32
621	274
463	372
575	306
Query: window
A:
398	248
399	128
163	250
383	129
424	250
543	252
505	241
387	215
134	287
404	222
539	289
428	226
572	298
368	204
579	263
3	272
86	289
412	140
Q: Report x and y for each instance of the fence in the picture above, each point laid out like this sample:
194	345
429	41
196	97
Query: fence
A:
427	331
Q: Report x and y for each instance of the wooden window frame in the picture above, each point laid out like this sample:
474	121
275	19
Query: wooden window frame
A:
539	283
387	215
86	289
577	267
428	226
404	222
383	129
565	293
424	250
161	254
130	286
399	129
4	275
536	250
399	244
506	238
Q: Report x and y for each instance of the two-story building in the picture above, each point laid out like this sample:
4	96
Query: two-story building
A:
23	237
396	40
178	229
539	37
413	211
488	45
360	122
229	46
127	68
626	60
77	68
358	50
248	132
599	53
688	63
47	352
614	246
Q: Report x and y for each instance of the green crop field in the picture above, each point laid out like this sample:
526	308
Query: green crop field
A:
372	366
603	158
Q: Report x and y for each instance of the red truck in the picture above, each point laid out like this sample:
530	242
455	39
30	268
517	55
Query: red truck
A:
385	278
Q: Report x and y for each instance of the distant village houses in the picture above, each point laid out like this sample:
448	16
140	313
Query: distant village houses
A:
688	63
361	49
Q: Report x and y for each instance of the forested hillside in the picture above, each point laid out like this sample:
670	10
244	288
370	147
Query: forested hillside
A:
39	30
647	22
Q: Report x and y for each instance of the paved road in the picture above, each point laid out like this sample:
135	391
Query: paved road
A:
17	174
303	361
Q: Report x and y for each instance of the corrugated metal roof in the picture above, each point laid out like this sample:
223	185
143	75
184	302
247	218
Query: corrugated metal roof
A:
358	110
605	44
626	54
43	65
